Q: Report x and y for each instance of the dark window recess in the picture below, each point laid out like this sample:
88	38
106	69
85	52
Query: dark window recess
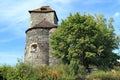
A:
33	48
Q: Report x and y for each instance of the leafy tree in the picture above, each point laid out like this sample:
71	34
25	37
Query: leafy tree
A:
108	41
85	39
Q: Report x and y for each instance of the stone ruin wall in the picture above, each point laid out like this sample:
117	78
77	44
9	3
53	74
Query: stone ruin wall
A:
38	17
39	37
42	56
52	59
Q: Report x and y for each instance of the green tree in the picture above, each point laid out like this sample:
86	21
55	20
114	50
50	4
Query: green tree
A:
85	39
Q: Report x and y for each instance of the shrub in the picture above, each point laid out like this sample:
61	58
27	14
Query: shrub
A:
61	72
66	72
4	71
27	72
102	75
43	72
19	72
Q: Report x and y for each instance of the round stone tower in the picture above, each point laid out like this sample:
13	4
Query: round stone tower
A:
43	20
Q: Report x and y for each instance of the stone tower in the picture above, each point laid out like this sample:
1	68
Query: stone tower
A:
43	22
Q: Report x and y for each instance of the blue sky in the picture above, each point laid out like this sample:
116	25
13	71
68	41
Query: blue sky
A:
14	20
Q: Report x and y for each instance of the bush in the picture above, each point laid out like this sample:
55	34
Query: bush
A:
4	71
43	72
19	72
102	75
61	72
27	72
68	73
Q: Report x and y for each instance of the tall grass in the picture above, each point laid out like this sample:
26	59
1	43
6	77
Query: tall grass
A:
105	75
25	71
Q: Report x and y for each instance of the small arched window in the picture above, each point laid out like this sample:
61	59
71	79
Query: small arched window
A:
33	48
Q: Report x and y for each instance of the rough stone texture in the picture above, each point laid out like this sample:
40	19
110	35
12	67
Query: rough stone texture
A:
52	59
40	37
36	18
37	49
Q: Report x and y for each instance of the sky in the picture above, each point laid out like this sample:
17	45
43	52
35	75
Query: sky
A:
15	19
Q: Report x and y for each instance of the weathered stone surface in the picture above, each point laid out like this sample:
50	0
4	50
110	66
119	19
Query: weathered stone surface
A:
37	49
38	17
39	37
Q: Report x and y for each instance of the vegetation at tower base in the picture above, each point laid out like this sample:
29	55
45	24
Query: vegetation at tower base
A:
87	40
24	71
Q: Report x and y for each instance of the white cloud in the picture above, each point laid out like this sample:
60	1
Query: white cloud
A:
15	14
13	11
117	14
14	17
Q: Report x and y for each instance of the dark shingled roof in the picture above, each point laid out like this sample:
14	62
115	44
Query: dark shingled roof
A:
43	25
44	9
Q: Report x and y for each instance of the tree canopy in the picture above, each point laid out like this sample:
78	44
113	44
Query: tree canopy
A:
85	39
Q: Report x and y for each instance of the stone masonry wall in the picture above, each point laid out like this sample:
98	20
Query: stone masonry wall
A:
52	59
39	37
38	17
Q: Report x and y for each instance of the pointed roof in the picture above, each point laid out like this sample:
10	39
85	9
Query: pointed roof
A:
45	24
44	9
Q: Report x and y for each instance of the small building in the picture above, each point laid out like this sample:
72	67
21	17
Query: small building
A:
43	22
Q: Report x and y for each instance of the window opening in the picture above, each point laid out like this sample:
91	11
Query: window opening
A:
33	48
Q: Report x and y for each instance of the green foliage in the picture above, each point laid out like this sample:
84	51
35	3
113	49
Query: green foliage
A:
47	73
102	75
62	72
86	39
66	72
25	72
4	71
19	72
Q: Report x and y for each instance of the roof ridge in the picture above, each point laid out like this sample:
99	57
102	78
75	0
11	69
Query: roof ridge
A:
45	23
42	9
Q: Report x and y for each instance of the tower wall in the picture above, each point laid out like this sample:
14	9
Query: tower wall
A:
52	59
38	17
40	38
43	22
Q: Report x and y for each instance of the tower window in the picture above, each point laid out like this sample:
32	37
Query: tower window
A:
33	48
